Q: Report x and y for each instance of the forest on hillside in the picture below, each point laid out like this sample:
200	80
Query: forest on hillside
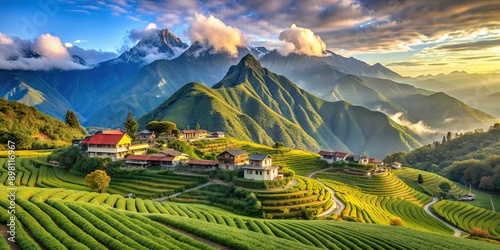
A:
21	123
469	158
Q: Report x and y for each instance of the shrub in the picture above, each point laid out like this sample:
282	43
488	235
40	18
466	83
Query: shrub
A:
396	221
475	231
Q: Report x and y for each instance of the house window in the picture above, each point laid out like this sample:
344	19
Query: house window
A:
249	171
260	172
267	172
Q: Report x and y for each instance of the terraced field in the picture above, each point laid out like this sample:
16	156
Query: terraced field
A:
466	216
384	185
145	186
302	162
431	181
68	219
306	193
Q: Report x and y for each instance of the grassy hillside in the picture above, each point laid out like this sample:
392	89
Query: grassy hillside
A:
472	158
60	219
255	104
19	123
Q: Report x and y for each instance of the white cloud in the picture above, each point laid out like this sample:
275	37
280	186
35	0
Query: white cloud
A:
50	47
80	41
68	45
301	41
419	128
4	39
138	34
212	32
45	53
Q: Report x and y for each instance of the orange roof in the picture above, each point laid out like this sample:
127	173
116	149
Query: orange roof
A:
113	132
375	160
203	162
105	139
149	158
396	163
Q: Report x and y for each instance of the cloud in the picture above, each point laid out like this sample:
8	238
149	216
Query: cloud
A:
91	56
51	47
419	128
4	39
138	34
407	64
212	32
301	41
437	64
478	45
80	41
45	53
475	57
133	18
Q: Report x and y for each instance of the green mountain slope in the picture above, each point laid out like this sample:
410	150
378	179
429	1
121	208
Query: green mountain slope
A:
253	103
19	122
334	78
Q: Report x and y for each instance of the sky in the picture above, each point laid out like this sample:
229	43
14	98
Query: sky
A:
410	37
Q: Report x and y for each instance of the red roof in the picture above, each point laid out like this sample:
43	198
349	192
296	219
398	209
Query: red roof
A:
375	160
148	158
85	141
336	154
396	163
203	162
105	139
193	131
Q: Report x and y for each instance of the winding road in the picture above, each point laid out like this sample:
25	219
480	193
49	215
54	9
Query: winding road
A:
339	205
458	232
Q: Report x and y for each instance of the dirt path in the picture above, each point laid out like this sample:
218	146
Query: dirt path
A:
5	235
185	191
458	232
197	238
492	204
339	205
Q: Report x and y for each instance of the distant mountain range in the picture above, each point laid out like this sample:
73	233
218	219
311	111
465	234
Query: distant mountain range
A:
333	77
251	102
102	96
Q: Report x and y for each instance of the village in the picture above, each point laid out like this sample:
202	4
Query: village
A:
118	145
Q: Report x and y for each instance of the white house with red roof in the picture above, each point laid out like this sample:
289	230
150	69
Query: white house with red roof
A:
332	157
260	168
194	134
396	164
115	145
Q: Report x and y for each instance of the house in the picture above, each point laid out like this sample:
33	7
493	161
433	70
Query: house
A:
114	145
146	135
360	159
178	157
375	161
217	135
260	168
145	161
396	164
194	134
202	164
332	157
232	159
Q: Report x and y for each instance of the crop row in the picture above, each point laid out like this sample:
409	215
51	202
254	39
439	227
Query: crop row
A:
466	216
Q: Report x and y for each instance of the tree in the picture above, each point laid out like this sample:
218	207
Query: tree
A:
98	180
162	127
444	140
197	126
278	145
131	126
71	120
448	136
420	179
445	186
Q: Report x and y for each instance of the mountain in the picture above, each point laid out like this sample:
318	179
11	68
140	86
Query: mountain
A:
56	91
251	102
154	83
161	42
333	77
31	129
